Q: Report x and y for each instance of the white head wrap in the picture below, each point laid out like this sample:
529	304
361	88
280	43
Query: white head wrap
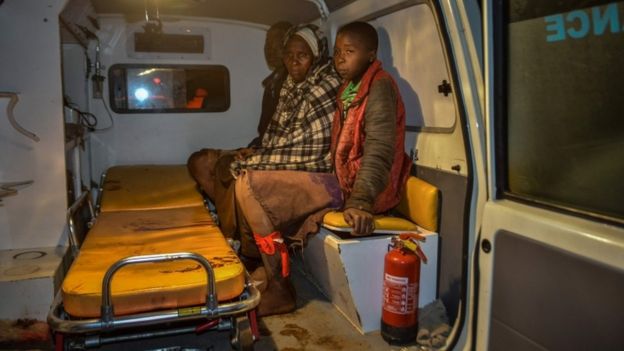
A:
308	35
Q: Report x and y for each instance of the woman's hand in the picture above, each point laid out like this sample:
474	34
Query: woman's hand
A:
243	153
361	221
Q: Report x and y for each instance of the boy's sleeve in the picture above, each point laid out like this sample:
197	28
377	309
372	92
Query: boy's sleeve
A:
380	128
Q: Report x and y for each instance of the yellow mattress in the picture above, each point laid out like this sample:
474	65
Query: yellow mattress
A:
151	286
148	187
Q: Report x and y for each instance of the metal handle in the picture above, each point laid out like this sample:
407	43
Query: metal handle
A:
107	307
73	240
100	192
60	322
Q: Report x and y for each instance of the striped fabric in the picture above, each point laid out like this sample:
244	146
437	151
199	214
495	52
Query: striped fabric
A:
299	135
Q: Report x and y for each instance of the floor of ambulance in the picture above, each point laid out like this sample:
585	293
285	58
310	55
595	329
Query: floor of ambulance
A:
315	325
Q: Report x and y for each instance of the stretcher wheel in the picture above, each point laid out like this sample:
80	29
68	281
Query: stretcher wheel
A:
242	337
64	342
59	342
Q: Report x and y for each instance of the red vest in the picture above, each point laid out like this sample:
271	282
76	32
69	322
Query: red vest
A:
348	138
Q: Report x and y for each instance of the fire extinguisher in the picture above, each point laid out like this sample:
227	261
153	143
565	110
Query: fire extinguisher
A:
399	317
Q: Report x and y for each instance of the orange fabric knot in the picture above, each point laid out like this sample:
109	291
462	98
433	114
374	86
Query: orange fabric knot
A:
267	245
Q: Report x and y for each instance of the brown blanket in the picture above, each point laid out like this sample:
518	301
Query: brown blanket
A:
211	169
290	197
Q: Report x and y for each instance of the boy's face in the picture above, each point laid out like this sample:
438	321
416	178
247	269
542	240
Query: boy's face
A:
297	58
351	57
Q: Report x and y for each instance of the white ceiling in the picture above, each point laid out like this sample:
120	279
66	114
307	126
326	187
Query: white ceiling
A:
254	11
264	12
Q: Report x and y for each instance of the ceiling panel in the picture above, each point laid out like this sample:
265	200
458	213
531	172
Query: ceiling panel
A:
255	11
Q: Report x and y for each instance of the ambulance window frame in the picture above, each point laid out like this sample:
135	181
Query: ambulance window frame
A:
501	130
221	104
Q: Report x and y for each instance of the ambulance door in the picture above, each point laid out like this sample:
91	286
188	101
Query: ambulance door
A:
550	257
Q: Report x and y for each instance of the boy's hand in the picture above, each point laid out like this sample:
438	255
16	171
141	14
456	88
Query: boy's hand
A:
361	221
243	153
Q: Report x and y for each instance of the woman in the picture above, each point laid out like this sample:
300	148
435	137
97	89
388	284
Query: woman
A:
297	138
280	184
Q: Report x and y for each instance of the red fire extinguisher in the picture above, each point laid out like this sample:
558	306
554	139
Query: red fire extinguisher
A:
399	317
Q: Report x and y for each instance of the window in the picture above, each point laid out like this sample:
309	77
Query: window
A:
168	88
561	115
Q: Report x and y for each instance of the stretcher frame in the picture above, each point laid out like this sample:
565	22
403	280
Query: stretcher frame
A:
237	316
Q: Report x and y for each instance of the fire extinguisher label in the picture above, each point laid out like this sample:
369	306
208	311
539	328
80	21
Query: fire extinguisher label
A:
399	294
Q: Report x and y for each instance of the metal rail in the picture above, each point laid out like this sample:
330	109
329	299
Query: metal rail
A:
71	211
59	321
107	307
100	192
93	341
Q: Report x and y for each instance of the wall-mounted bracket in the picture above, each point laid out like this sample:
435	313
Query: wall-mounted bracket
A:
9	188
17	126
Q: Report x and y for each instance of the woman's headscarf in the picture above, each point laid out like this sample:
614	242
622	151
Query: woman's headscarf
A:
315	39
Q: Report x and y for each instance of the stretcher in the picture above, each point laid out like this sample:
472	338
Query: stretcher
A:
154	263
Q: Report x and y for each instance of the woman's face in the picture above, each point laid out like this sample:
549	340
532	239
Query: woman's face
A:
298	58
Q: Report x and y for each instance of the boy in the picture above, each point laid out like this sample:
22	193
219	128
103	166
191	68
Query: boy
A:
368	133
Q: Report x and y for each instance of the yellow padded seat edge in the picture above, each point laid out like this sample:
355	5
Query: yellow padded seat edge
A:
419	203
335	220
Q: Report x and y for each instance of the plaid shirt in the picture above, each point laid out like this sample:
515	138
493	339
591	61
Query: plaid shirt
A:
299	134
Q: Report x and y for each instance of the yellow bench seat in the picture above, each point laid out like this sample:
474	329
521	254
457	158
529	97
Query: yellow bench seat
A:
418	206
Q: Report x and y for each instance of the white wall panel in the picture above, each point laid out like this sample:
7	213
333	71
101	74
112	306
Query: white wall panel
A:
30	64
171	138
411	50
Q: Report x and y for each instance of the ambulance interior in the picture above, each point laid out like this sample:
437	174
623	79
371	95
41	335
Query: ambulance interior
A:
137	86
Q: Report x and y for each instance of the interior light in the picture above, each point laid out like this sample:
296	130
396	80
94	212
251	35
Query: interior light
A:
147	71
141	94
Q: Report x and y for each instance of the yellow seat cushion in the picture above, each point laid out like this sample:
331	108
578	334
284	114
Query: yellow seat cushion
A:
151	286
419	204
148	187
335	220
